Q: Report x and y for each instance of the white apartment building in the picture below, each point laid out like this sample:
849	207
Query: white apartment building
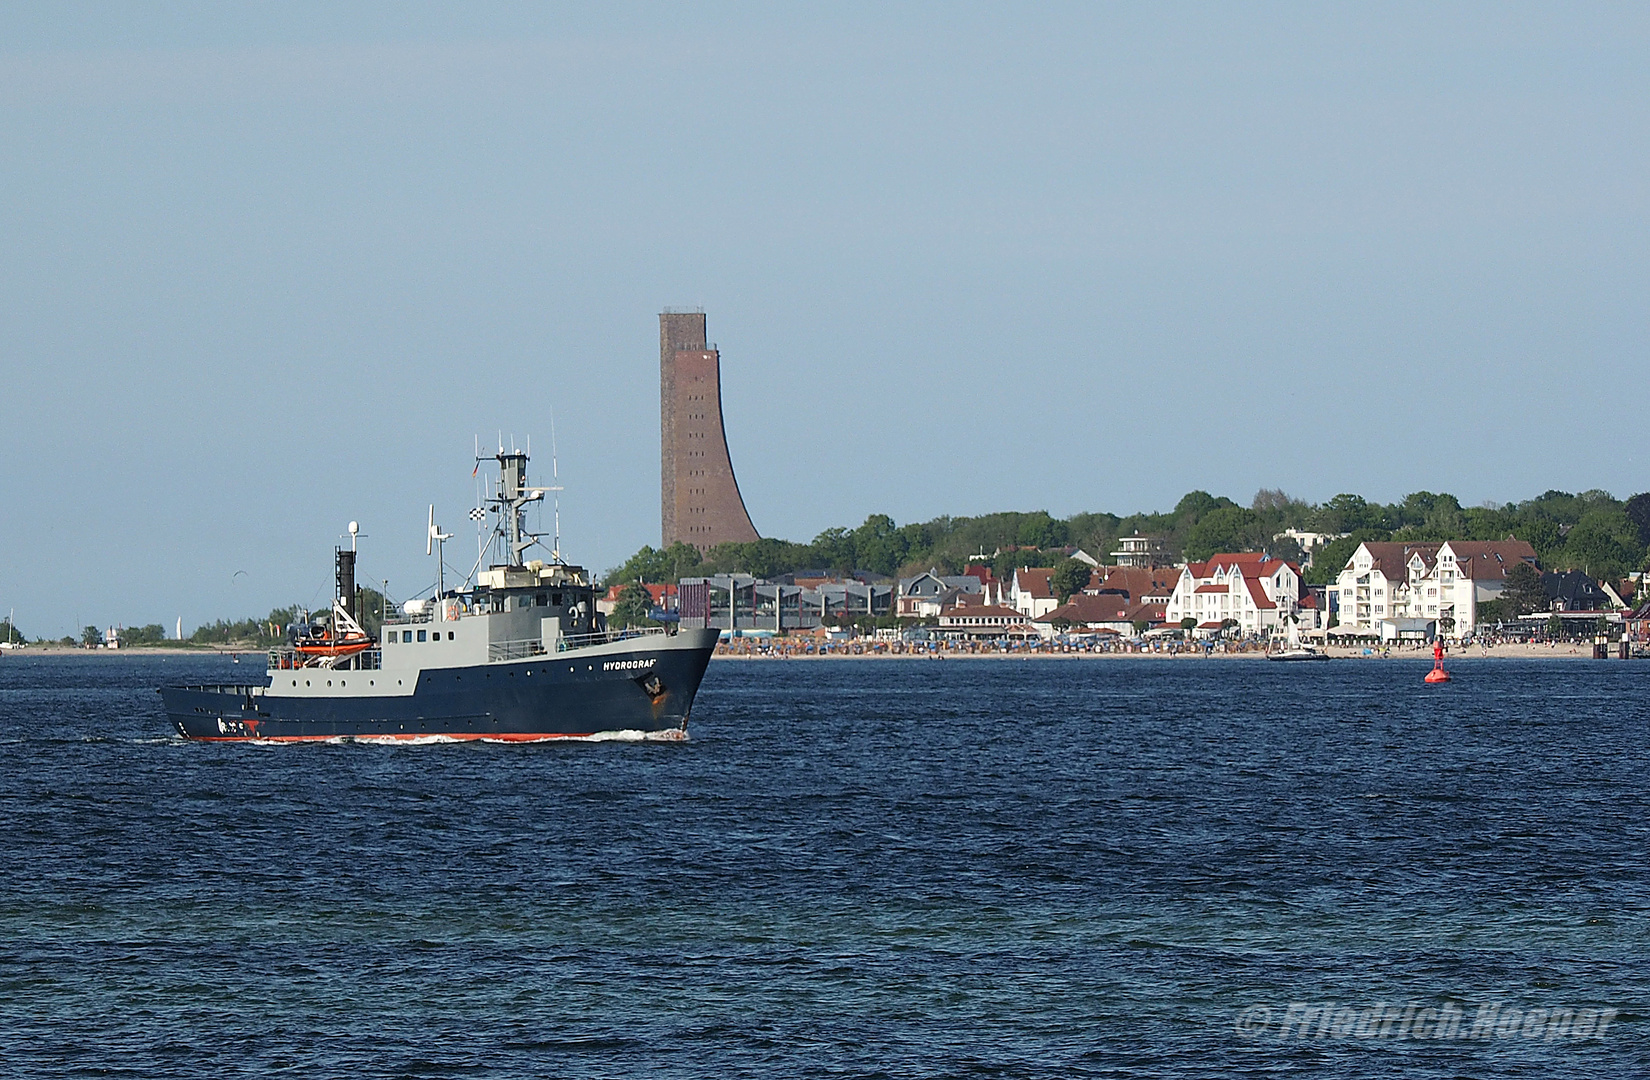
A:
1438	582
1252	588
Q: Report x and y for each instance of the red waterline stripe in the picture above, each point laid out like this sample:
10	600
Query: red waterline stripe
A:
465	737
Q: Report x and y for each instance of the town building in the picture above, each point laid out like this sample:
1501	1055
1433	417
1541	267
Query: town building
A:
1146	551
985	621
743	602
1109	613
1252	589
1031	593
1444	583
1572	590
929	593
663	596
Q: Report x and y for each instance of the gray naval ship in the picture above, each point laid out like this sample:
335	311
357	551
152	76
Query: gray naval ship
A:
517	653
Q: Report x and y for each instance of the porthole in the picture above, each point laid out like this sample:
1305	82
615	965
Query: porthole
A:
306	682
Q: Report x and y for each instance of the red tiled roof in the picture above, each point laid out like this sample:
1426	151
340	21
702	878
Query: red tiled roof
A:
1082	608
1034	581
1212	588
1257	593
1489	560
1133	581
1391	558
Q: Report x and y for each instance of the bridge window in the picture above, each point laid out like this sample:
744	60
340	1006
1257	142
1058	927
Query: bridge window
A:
421	635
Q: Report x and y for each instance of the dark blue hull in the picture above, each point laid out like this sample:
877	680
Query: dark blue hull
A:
648	689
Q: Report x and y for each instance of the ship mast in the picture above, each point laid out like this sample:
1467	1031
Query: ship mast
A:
510	503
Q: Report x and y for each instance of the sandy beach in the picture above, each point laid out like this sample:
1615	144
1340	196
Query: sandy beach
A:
774	649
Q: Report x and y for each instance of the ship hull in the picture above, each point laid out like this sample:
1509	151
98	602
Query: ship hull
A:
648	689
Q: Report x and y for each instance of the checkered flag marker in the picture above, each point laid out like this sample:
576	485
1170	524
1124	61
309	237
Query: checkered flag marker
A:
478	514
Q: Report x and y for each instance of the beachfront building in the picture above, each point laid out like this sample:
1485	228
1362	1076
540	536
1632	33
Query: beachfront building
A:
929	593
1087	613
743	602
1030	592
985	621
1438	582
1142	585
1252	589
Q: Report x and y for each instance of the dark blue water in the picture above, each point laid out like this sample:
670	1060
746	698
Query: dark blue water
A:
904	869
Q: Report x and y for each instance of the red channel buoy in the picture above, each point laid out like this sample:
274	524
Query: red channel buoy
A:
1437	674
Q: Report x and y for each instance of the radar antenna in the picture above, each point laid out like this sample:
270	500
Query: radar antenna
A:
435	540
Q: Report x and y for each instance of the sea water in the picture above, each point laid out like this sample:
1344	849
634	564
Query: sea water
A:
851	868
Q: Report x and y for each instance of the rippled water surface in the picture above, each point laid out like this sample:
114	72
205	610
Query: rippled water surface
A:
874	868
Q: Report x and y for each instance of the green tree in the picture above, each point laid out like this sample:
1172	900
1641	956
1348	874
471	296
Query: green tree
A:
91	636
1039	530
834	549
1220	530
1638	512
879	546
658	567
1349	513
8	632
1194	504
1188	624
1555	626
632	608
1604	543
1523	591
1069	576
1141	626
150	634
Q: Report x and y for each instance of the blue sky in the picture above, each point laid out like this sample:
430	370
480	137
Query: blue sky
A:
271	268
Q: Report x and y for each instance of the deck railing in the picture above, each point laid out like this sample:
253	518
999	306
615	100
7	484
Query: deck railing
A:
519	649
522	648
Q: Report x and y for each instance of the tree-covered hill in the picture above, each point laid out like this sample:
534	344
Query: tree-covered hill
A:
1592	531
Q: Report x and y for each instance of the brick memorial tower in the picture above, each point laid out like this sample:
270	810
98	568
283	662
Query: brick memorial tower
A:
699	497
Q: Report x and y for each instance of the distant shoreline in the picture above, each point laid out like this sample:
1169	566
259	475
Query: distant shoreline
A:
134	650
1507	651
1494	652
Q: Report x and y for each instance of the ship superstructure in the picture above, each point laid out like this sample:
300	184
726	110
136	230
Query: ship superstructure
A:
517	652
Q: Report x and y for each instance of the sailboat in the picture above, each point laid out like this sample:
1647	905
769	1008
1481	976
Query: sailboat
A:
1295	649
